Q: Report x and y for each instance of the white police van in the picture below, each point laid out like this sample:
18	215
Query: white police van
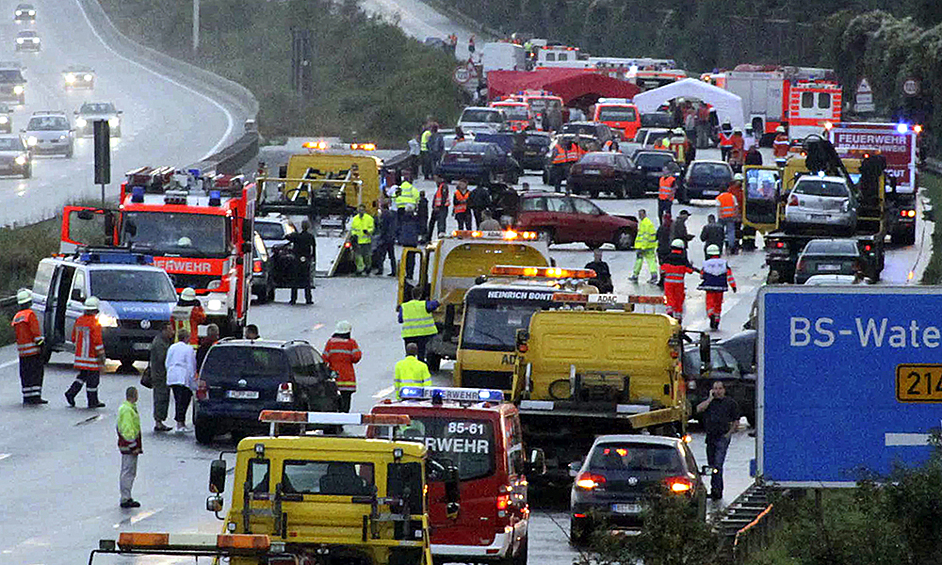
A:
136	300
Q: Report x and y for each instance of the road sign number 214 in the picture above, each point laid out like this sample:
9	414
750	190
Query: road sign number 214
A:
919	383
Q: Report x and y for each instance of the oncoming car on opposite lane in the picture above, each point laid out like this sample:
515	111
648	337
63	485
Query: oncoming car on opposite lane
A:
14	156
49	132
6	118
28	40
86	116
78	76
24	13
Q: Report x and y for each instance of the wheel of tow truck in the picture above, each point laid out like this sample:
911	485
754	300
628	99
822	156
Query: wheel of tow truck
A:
433	361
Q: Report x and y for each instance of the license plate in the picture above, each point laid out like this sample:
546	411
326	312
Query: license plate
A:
626	508
820	217
243	394
591	172
460	160
829	267
140	346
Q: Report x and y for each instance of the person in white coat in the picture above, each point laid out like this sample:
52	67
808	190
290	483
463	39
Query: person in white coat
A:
181	377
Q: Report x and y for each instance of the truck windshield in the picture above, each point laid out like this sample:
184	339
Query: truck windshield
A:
617	114
466	444
132	286
338	478
189	235
516	112
494	327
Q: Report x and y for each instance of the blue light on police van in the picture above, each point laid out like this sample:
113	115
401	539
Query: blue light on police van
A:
137	194
411	392
902	128
214	198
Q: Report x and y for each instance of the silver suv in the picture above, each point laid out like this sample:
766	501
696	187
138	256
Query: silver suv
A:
822	202
50	132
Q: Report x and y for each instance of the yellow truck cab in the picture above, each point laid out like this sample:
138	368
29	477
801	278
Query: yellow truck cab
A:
591	365
451	265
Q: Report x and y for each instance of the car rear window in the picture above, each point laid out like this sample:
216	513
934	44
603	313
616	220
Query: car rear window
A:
636	457
339	478
652	160
270	230
465	443
831	247
479	116
657	120
234	362
821	188
469	147
599	159
585	129
711	170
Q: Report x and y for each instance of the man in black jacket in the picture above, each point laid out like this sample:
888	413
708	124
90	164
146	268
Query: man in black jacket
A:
712	234
305	252
384	240
603	275
479	201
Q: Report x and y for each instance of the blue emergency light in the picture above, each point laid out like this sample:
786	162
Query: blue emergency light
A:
215	198
451	393
137	194
116	258
902	128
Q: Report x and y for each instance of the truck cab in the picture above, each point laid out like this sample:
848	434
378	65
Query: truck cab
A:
474	430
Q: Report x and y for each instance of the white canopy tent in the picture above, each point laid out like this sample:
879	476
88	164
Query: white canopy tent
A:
726	104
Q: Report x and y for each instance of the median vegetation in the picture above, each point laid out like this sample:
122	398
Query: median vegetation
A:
369	81
932	183
23	248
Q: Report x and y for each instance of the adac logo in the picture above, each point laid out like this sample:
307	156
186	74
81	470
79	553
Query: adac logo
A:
508	359
184	266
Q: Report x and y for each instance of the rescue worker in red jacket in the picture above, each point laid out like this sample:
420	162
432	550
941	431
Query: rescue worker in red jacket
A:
717	278
780	146
559	167
341	353
188	314
89	355
439	208
675	267
29	344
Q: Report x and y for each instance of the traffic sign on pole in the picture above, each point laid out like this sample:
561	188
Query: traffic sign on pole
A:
850	381
863	101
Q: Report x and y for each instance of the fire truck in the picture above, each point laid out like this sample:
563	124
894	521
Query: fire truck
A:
802	99
198	228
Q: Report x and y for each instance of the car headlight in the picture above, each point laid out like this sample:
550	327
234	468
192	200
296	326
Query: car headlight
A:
31	140
87	77
20	40
70	78
32	12
35	40
4	119
20	160
107	321
63	137
18	89
18	13
113	122
214	305
81	122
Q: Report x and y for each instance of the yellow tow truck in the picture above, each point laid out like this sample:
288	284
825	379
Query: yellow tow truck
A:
315	500
451	265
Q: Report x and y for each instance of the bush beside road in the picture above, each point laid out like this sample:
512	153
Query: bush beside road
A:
932	183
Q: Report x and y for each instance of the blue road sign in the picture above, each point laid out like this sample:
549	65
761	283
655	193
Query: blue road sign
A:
850	379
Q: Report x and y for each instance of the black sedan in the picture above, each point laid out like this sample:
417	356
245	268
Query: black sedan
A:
649	164
480	162
620	473
828	257
532	150
706	179
604	171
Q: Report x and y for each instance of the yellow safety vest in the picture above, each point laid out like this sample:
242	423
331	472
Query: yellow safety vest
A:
416	320
647	235
362	227
411	372
408	194
425	137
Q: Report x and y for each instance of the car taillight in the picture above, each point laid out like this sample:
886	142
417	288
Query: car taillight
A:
800	266
257	266
608	171
503	501
679	485
780	245
202	390
867	247
589	481
907	213
285	393
793	201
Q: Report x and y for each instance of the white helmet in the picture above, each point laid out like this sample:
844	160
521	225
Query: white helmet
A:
91	303
780	129
713	249
24	296
738	176
677	244
184	242
188	294
343	327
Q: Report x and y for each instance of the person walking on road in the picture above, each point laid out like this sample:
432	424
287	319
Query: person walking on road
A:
411	371
720	416
439	215
407	197
712	234
488	223
89	355
129	445
646	247
341	353
663	243
603	274
679	229
424	154
479	201
158	376
780	146
181	377
462	212
385	241
304	246
667	189
362	227
187	315
436	148
675	267
717	278
560	165
29	346
418	326
422	215
729	217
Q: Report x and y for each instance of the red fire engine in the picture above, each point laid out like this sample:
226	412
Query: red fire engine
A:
198	228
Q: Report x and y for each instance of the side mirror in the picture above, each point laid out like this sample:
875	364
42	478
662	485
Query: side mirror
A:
574	467
522	337
217	476
537	463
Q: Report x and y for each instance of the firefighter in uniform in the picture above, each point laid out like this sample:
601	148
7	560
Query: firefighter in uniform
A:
418	326
462	214
411	371
667	188
187	315
89	355
780	146
29	344
717	278
341	353
675	267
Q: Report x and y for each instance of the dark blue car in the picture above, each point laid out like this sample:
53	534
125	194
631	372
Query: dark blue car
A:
239	378
479	162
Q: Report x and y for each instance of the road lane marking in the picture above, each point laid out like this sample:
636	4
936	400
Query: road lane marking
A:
4	456
318	326
905	440
9	364
384	392
89	420
143	515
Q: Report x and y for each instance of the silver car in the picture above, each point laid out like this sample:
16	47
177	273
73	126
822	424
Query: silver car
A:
14	156
823	202
482	119
86	116
49	133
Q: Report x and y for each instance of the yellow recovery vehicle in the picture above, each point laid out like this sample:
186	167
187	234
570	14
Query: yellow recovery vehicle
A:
314	500
451	265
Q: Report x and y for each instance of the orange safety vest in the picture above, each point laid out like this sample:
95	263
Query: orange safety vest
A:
560	157
340	355
738	142
461	201
89	347
666	190
29	339
574	154
728	206
188	318
780	146
441	196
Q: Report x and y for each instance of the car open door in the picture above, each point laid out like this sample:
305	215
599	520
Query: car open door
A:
407	282
762	188
84	225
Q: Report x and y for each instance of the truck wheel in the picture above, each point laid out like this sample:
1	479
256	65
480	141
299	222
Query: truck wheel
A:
433	361
205	432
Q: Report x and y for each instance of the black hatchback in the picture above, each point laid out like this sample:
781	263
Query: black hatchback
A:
240	378
621	472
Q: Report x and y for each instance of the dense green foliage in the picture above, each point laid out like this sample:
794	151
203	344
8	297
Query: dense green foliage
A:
370	81
933	191
23	248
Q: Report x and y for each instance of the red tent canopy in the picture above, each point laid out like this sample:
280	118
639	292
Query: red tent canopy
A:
578	87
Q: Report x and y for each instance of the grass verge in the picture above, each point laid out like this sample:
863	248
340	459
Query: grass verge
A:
933	186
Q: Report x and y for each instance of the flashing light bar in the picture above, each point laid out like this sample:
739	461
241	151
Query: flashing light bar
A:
507	235
316	145
144	540
331	418
902	128
544	272
363	146
451	393
614	299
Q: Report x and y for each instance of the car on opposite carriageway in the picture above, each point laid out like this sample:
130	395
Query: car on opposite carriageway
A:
49	132
24	13
14	156
89	112
78	76
28	40
6	118
12	83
